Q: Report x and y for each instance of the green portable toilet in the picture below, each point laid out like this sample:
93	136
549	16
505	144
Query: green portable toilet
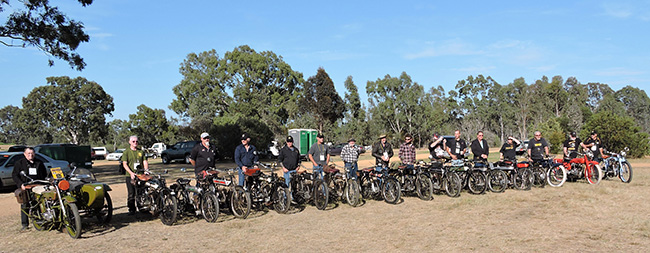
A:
313	134
303	139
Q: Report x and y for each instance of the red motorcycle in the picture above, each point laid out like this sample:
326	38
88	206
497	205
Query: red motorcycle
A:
582	166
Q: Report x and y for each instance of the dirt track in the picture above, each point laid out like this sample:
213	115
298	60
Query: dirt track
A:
575	217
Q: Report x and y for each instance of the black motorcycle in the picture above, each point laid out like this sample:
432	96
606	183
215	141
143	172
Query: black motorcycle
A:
379	185
413	179
268	190
228	192
307	187
341	185
441	178
195	200
152	195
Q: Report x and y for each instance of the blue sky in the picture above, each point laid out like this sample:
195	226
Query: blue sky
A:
136	47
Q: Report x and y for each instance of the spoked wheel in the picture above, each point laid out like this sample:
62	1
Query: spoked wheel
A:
281	199
321	194
497	181
593	174
240	202
452	184
539	177
436	183
37	219
477	182
523	179
625	173
168	207
210	207
424	187
351	193
105	214
556	176
72	220
391	190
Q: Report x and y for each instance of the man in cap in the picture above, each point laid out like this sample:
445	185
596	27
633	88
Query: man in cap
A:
571	146
203	155
595	145
382	151
289	159
245	156
508	150
319	155
350	156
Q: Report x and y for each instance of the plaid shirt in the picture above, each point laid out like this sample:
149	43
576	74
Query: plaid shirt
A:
407	153
350	154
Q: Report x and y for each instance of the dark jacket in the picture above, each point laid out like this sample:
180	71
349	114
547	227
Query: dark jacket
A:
23	165
245	158
478	151
289	159
378	151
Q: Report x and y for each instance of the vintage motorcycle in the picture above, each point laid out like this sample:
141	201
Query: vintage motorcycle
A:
228	193
268	190
379	185
497	179
581	167
191	199
92	197
471	177
441	177
518	175
341	185
307	187
413	179
152	194
51	206
616	165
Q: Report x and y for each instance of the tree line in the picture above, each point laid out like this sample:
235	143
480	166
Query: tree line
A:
260	94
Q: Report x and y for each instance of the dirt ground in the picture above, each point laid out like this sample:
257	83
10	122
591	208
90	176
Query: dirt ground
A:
611	216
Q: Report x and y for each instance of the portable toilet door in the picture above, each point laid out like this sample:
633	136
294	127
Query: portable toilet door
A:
295	133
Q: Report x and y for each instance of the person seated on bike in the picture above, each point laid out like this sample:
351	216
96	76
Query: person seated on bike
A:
508	150
32	168
571	146
456	147
289	159
436	147
382	151
202	157
537	148
480	148
319	155
245	156
594	144
407	152
350	156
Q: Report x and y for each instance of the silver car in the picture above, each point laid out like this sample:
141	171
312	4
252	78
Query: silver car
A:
8	159
115	156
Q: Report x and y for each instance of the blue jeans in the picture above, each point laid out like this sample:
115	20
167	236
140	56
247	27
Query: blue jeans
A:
352	169
380	168
287	177
241	176
319	169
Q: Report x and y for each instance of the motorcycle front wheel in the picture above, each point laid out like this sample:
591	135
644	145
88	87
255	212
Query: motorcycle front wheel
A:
209	207
351	192
424	187
240	202
321	194
497	181
539	177
452	184
477	182
72	220
593	174
625	173
556	176
391	190
168	207
281	199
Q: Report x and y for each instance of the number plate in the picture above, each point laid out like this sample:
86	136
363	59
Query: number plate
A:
57	173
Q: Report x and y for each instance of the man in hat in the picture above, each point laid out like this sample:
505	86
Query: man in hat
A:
319	155
571	146
203	155
289	159
508	150
245	156
595	145
350	156
382	151
456	147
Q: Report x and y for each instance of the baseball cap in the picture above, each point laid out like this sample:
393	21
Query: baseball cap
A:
289	138
245	136
203	135
594	132
352	139
573	134
320	136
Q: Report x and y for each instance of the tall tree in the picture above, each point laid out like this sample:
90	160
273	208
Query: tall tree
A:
151	126
355	124
45	27
75	108
9	131
118	133
619	131
637	105
522	98
321	99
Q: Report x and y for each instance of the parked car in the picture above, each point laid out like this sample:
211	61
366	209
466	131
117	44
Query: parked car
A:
156	150
17	148
179	151
336	149
99	153
8	159
80	155
115	156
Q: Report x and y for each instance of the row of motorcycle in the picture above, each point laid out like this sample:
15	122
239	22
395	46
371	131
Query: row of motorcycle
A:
61	201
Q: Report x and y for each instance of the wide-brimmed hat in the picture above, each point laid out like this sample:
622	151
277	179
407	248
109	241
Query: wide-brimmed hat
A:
382	136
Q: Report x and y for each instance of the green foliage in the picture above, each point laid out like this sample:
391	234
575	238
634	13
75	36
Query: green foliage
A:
637	105
151	126
9	132
321	99
43	26
618	132
553	133
72	108
118	133
226	133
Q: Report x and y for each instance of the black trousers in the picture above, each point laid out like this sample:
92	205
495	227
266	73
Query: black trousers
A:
24	220
130	189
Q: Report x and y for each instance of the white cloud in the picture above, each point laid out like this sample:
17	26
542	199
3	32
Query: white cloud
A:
619	72
476	69
445	48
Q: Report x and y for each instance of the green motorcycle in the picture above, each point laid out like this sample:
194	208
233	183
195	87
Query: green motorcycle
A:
50	206
92	197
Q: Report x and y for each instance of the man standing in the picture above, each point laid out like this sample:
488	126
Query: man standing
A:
350	156
571	146
456	147
32	168
595	145
537	148
289	159
203	155
319	155
245	156
508	150
480	148
382	151
436	147
407	152
132	160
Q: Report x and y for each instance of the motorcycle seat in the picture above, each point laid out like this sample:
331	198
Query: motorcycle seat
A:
38	189
330	170
183	181
252	172
368	169
144	177
523	165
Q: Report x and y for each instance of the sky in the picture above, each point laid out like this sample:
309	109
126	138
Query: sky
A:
136	47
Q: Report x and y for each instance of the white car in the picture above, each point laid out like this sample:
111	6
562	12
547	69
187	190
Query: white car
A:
8	159
99	153
115	156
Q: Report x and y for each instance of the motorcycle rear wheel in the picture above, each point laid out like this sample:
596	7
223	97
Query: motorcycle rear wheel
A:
209	207
168	208
240	202
105	214
281	199
391	190
351	193
452	184
523	179
72	220
320	194
625	173
539	177
556	176
497	181
477	182
424	187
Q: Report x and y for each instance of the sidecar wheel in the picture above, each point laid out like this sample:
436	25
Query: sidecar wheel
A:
105	215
